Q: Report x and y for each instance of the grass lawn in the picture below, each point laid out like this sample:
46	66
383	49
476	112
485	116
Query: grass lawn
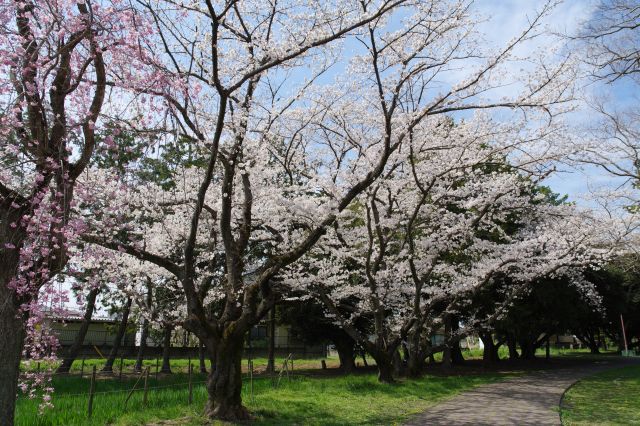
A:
608	398
344	400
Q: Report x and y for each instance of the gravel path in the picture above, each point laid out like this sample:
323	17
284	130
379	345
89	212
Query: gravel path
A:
533	399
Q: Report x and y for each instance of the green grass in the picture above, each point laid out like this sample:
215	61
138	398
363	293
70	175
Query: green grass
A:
344	400
608	398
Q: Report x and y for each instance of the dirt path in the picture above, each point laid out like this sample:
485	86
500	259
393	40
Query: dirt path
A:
533	399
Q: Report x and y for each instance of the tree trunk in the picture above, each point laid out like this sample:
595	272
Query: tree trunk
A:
528	349
384	363
398	365
203	366
224	385
363	355
12	331
416	361
12	335
117	341
166	349
74	349
345	347
271	356
511	344
143	346
547	350
489	352
446	353
456	352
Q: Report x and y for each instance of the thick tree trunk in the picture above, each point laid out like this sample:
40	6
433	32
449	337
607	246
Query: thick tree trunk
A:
12	335
12	332
271	356
117	341
398	365
74	349
456	352
528	349
224	385
166	349
490	351
513	351
384	363
346	353
416	361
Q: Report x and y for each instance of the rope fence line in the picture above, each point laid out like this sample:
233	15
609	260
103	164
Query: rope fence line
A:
94	395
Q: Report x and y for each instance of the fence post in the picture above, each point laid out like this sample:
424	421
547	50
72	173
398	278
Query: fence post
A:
120	375
190	383
82	368
146	388
157	366
251	378
92	389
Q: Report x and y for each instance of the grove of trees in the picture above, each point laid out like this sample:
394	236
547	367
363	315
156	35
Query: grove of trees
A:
204	161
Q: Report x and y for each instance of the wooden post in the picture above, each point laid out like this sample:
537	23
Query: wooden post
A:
82	368
157	366
38	368
190	383
146	388
251	378
323	363
121	361
92	389
624	335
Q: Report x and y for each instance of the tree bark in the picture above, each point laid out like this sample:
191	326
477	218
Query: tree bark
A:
384	363
528	349
446	353
117	341
11	343
74	349
166	349
346	353
490	352
416	361
271	361
12	331
224	385
456	352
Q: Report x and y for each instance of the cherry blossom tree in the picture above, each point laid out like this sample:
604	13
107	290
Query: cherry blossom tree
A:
444	221
280	151
56	86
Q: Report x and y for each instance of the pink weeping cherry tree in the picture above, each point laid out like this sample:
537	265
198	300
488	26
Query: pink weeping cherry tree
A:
57	57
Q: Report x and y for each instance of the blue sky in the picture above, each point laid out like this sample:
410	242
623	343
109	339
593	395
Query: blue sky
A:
506	19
